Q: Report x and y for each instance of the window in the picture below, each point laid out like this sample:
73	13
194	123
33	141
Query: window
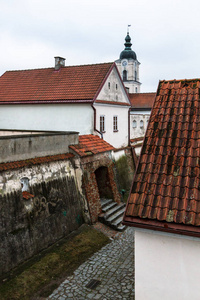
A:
136	89
109	85
115	123
102	123
135	76
134	124
116	86
124	75
141	123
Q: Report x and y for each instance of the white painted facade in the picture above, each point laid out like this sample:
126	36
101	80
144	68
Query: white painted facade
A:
60	117
116	138
114	92
138	123
131	67
166	266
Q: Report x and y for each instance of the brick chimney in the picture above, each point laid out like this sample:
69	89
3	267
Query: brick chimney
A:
59	62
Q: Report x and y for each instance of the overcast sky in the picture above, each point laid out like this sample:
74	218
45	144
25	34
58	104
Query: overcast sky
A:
165	35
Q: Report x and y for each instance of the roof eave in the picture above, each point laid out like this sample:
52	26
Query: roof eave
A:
46	102
163	226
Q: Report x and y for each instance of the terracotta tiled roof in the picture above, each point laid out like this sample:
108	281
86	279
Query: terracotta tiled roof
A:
34	161
142	100
91	144
68	84
166	189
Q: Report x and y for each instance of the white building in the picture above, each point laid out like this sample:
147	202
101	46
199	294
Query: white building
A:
89	99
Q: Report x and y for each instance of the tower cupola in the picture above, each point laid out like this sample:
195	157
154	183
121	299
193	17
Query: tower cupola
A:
128	53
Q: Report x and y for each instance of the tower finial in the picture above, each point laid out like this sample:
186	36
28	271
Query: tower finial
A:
128	29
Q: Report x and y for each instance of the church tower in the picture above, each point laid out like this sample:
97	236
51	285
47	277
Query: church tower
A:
128	67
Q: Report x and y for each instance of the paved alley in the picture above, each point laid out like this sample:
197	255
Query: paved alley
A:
108	274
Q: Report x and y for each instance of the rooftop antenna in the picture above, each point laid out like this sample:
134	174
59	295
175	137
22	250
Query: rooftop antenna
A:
128	29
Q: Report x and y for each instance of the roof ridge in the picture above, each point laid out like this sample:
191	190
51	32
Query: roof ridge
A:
69	66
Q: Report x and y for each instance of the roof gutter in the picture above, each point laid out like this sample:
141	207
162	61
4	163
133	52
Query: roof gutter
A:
95	129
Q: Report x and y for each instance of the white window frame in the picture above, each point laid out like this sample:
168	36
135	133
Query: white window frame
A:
115	123
102	123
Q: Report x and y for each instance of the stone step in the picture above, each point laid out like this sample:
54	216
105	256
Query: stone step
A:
118	221
114	210
116	215
112	214
109	206
105	202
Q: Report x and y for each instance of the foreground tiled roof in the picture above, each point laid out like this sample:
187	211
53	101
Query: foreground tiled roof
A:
91	144
34	161
68	84
142	100
166	190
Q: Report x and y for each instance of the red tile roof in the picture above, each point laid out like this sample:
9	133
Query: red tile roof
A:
91	144
34	161
68	84
142	100
166	189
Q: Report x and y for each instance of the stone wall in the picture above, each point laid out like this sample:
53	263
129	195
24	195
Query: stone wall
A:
21	147
89	166
57	207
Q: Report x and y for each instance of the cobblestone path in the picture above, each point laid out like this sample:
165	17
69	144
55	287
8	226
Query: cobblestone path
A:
109	273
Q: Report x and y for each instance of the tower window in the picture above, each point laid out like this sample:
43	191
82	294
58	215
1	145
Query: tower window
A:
124	75
141	123
135	76
136	89
109	85
102	123
116	86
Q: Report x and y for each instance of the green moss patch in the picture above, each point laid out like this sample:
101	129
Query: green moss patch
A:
41	275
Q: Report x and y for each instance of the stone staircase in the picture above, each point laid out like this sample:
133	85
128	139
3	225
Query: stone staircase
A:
112	214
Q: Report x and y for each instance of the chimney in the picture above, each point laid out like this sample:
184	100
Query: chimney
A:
59	62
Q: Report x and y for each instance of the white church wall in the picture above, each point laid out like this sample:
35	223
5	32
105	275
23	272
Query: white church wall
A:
166	266
60	117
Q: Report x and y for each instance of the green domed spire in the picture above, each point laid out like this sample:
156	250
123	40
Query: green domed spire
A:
128	52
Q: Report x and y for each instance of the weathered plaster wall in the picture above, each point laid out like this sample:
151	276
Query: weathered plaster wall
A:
25	147
166	266
57	208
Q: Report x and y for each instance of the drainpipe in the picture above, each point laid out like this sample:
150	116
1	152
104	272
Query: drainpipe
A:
129	111
95	121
